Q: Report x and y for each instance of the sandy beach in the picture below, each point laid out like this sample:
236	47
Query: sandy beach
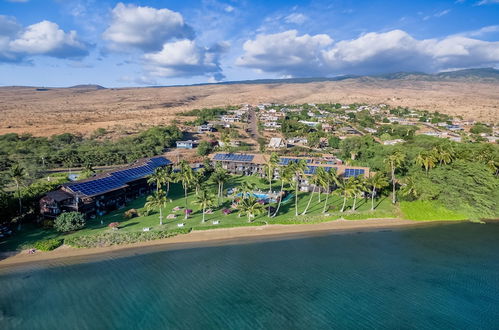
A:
200	238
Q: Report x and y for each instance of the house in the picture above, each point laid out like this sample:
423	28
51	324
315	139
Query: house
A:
454	128
327	128
309	123
230	119
205	128
277	143
104	192
370	130
189	144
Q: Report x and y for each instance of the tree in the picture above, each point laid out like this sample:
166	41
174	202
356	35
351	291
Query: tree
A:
197	180
158	178
157	200
315	179
285	176
69	221
394	161
376	182
359	187
204	148
186	177
326	180
219	176
250	207
247	189
17	174
347	188
426	159
271	166
298	169
205	199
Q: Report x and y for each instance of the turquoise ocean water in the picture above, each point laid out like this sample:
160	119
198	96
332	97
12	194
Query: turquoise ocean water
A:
443	276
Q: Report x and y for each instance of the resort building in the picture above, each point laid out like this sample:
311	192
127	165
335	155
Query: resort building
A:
103	192
277	143
254	164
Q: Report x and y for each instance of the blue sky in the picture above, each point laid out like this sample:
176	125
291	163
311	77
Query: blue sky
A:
162	42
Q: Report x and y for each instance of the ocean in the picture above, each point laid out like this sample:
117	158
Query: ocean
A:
438	276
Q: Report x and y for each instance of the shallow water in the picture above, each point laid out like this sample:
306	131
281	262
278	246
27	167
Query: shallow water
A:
437	277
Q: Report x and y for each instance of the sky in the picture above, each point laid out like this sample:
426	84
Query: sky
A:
61	43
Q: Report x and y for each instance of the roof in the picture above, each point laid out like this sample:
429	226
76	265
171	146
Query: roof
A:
116	179
276	142
58	195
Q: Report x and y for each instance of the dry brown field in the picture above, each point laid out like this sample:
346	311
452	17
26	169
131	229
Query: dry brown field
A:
125	110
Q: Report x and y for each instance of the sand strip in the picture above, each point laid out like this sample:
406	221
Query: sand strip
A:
200	238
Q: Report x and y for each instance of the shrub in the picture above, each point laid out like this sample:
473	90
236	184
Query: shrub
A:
145	212
116	238
69	221
114	225
132	213
48	245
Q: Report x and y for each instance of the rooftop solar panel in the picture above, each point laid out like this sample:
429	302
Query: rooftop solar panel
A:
118	179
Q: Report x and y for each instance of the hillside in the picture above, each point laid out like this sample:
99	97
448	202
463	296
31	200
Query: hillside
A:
472	94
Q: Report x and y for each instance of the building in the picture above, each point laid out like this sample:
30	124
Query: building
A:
189	144
393	142
254	164
104	192
277	143
205	128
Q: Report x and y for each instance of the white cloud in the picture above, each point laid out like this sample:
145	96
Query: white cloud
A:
285	52
481	32
43	38
145	28
289	54
184	58
486	2
295	18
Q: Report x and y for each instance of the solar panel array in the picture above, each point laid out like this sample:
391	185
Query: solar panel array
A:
286	161
118	179
312	169
353	172
234	157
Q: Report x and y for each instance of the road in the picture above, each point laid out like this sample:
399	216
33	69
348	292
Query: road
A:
253	124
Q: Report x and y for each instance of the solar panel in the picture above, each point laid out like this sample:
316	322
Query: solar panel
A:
119	178
349	172
233	157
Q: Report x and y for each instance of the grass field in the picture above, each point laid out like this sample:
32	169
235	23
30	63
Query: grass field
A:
384	209
428	210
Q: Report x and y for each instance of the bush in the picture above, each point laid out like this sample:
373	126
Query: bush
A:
48	245
132	213
114	225
69	221
116	238
145	212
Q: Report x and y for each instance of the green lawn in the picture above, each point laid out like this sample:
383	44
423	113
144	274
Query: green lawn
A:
429	210
384	209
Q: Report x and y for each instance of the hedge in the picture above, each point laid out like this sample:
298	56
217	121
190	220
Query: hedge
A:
48	245
116	238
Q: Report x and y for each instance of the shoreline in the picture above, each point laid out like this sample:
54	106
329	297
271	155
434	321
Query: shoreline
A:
199	238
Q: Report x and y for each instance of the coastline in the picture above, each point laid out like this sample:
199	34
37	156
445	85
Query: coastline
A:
200	238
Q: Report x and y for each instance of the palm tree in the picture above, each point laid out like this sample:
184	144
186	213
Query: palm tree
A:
410	187
250	207
315	179
247	188
377	181
286	176
298	170
426	159
158	178
444	153
327	179
347	188
220	176
271	166
359	186
186	177
157	200
205	199
17	174
197	180
169	177
394	161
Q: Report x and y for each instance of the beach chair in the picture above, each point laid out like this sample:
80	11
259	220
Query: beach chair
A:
180	224
216	222
146	229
